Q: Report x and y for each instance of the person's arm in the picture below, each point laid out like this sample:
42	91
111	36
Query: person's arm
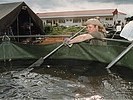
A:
80	38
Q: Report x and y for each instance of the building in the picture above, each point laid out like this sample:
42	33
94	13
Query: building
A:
18	19
108	17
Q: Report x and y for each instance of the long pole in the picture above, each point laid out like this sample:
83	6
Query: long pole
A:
41	60
120	56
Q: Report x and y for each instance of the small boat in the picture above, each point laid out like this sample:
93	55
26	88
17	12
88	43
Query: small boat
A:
81	52
28	42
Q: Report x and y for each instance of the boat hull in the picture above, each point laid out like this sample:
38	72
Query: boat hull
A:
79	52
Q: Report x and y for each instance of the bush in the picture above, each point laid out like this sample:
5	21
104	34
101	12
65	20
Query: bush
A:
48	29
61	30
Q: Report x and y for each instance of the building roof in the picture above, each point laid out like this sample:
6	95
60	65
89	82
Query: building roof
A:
100	12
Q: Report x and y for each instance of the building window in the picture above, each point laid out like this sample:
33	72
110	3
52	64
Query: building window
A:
48	21
61	21
54	21
68	20
84	19
109	18
76	20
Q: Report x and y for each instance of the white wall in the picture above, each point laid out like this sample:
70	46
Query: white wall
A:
69	21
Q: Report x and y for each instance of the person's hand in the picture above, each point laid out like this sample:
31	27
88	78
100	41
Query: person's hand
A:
67	42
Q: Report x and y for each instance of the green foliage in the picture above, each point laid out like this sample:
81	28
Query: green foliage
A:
61	30
57	30
48	29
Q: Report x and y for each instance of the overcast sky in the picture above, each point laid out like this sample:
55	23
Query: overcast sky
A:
125	6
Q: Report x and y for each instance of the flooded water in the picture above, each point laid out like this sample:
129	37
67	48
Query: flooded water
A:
65	83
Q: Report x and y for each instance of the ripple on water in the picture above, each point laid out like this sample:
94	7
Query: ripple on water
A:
63	84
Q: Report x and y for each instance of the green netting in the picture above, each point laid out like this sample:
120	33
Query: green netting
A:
9	50
81	51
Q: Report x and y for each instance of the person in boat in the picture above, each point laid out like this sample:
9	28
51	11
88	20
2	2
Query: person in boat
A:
95	33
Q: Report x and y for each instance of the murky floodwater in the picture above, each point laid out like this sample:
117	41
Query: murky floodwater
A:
62	83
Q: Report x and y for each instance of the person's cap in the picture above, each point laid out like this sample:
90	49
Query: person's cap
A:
93	22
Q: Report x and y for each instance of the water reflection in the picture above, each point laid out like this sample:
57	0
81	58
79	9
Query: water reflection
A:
64	83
